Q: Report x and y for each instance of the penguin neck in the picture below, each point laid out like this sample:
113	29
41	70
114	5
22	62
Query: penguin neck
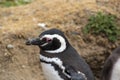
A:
51	55
56	62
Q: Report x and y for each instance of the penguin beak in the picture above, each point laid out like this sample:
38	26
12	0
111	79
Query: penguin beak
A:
34	41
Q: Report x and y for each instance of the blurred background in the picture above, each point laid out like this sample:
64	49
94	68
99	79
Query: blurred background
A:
92	27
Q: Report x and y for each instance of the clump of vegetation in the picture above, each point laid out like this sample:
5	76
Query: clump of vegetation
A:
104	24
8	3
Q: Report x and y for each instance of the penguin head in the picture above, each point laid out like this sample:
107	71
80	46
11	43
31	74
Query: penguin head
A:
51	41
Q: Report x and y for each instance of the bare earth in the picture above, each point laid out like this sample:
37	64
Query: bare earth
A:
17	24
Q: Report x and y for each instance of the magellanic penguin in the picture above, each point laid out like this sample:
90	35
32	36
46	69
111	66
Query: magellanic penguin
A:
111	69
59	60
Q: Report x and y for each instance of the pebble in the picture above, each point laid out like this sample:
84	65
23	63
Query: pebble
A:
10	46
42	25
23	66
6	54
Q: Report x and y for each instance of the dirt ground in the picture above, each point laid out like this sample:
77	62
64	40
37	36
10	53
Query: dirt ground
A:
17	24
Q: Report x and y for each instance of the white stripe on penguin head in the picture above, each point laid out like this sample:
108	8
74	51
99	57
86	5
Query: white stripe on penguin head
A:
62	42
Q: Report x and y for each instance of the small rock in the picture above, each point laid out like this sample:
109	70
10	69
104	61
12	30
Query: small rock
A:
10	46
42	25
23	66
7	54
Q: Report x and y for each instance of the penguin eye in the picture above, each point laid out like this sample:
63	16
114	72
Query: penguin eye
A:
46	39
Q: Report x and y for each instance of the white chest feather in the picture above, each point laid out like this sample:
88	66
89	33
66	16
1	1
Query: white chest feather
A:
116	71
49	72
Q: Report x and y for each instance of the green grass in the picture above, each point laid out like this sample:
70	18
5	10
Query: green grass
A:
8	3
103	24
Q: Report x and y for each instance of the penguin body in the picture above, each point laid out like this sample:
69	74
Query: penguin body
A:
59	60
49	72
111	69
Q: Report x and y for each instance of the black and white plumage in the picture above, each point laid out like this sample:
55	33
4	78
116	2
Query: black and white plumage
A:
59	60
111	69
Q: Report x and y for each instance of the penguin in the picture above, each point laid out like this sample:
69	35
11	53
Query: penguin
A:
59	60
111	68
